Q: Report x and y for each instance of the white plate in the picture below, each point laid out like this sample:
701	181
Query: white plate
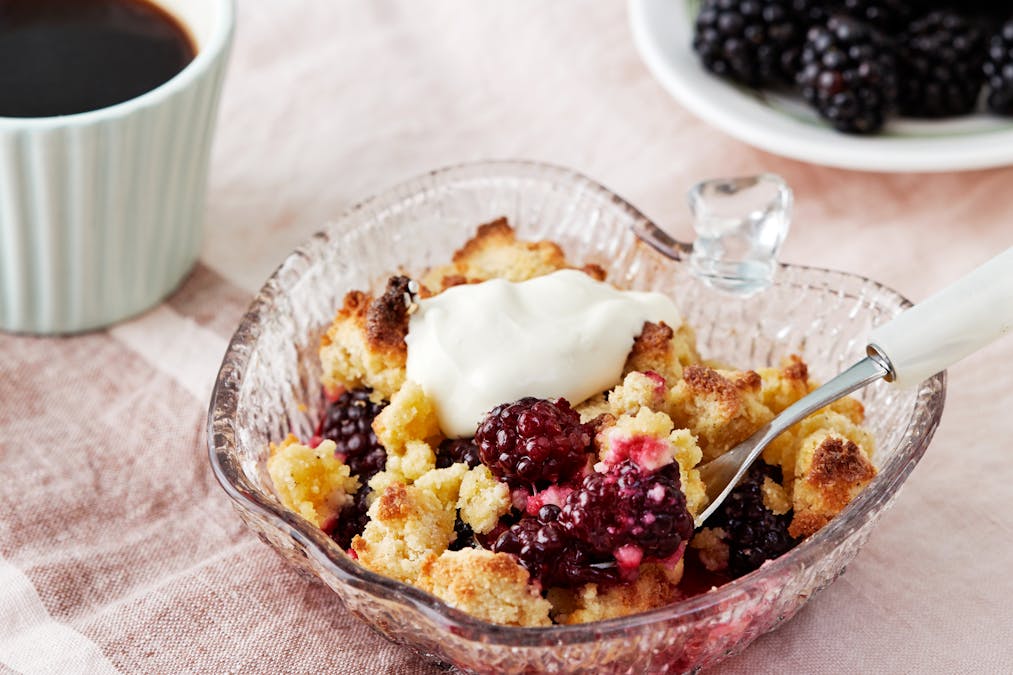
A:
663	32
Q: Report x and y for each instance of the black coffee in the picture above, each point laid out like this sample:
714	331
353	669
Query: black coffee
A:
59	57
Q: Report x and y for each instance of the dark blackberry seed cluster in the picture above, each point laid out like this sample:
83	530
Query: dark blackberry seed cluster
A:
755	42
998	70
352	519
464	536
626	507
942	66
533	442
456	451
348	422
888	16
754	533
550	555
849	75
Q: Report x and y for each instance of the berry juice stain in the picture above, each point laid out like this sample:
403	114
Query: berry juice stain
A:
61	57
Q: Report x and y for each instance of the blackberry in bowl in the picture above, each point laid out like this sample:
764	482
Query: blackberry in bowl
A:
849	75
942	55
756	42
268	388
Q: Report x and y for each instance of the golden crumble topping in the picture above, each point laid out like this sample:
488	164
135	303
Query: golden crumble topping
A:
663	350
310	481
491	586
721	408
365	347
433	512
483	500
408	528
829	472
654	587
496	253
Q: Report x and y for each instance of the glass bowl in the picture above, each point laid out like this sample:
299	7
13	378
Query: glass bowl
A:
268	386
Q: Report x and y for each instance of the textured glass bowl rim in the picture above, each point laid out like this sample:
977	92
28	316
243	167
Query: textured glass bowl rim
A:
318	546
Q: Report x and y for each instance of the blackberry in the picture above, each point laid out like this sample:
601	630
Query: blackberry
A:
755	42
352	519
998	70
457	450
348	422
888	16
465	536
941	74
754	533
533	441
849	75
626	507
550	555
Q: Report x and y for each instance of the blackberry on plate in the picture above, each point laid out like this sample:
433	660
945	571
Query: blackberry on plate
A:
888	16
550	555
755	42
998	70
352	519
348	422
533	441
754	533
456	451
942	66
628	507
849	75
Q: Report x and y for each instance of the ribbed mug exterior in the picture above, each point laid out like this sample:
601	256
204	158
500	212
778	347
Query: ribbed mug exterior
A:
101	213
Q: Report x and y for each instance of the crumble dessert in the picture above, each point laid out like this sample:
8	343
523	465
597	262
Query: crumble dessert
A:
517	437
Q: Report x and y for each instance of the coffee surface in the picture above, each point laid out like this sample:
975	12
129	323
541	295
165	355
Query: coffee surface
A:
60	57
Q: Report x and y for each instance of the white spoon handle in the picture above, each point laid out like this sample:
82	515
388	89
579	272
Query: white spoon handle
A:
950	325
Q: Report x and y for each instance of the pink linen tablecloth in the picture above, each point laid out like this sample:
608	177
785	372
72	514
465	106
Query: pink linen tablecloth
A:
118	552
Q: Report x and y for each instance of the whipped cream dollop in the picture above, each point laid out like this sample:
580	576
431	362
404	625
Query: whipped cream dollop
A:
475	346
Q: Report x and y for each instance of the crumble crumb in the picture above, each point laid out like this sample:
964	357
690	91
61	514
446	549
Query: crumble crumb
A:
490	586
408	527
496	253
830	471
410	416
775	498
711	548
482	499
721	408
364	346
655	586
784	385
661	349
310	481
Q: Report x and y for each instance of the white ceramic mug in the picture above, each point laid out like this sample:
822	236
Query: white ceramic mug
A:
101	213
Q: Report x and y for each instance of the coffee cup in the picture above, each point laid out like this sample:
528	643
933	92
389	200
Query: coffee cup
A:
101	212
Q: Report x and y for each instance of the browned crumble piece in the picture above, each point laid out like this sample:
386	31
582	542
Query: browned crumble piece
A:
661	349
721	408
365	346
490	586
829	473
408	528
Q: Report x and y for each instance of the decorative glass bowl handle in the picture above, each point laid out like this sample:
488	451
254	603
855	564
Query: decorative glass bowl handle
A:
740	225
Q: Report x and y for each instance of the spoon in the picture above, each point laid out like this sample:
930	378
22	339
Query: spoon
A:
915	345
